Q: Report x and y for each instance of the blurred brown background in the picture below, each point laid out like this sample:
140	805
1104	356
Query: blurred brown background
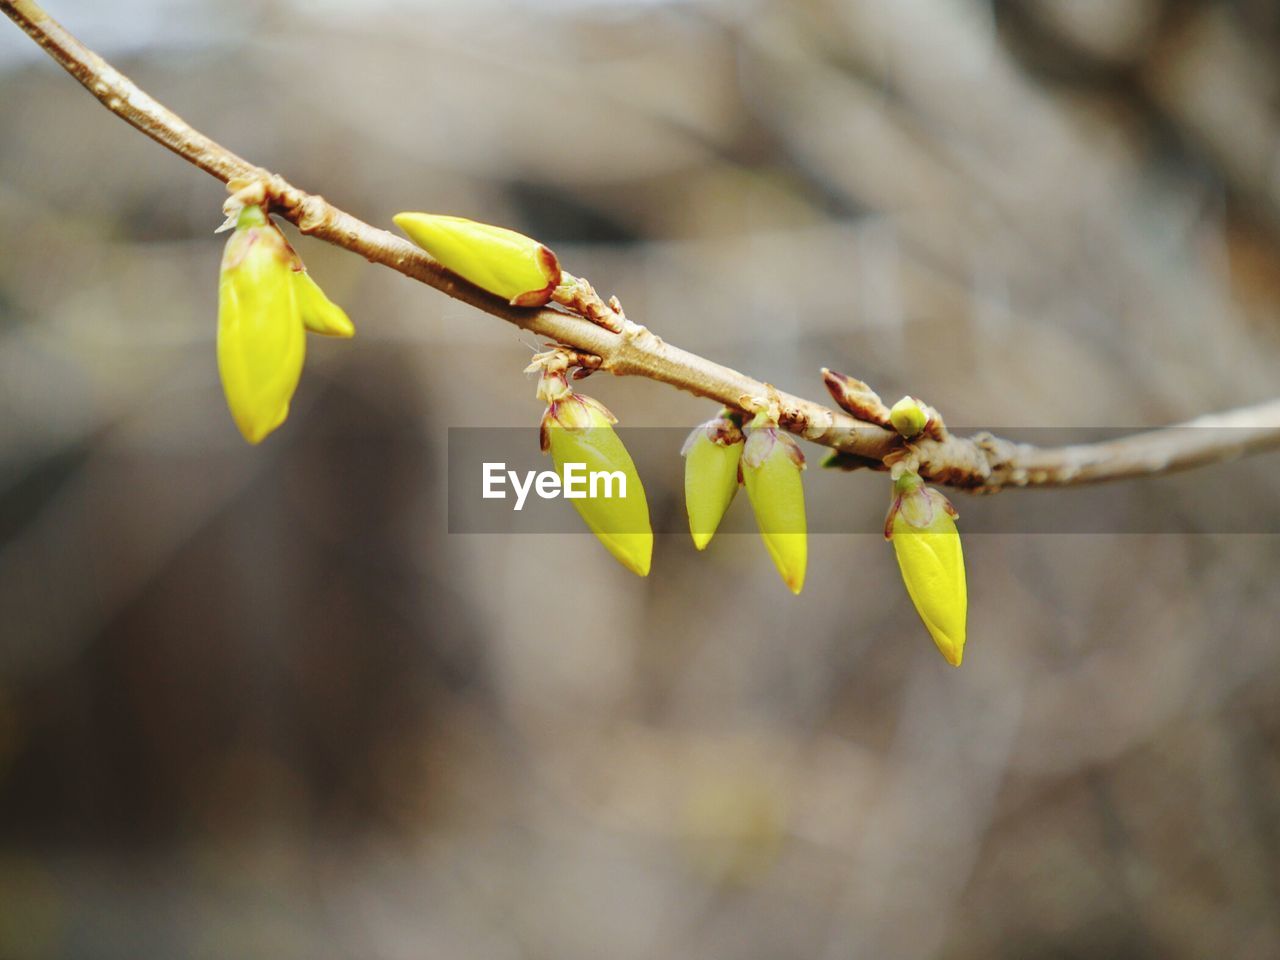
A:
259	703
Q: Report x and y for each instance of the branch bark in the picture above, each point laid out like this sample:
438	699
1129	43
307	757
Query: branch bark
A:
981	462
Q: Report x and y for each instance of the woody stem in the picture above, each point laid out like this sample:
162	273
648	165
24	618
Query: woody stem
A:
985	462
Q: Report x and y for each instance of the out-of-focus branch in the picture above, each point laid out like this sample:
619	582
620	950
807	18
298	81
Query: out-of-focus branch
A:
1214	438
982	462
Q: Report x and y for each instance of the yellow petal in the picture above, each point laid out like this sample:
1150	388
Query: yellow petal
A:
932	565
319	313
261	343
710	481
621	523
772	479
515	267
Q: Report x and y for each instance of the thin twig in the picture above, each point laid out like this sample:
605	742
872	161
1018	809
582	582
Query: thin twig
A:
982	462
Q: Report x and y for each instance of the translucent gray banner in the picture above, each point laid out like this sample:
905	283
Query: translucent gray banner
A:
1237	497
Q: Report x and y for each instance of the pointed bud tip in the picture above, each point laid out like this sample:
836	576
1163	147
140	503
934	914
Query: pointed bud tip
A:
320	314
256	429
637	561
254	432
951	651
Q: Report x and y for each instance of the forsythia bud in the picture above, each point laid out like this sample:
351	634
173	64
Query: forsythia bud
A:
921	525
711	457
261	341
578	429
908	417
509	264
771	465
319	313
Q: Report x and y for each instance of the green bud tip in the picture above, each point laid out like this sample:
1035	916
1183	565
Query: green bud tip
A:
251	216
908	417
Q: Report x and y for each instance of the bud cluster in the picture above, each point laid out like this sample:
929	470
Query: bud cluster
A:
768	462
267	300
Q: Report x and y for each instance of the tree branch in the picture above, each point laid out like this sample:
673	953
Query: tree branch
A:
981	462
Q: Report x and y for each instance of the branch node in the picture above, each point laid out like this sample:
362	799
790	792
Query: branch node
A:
576	294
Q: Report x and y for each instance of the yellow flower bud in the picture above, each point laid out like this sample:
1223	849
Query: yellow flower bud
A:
921	525
908	417
771	465
509	264
319	313
711	457
578	429
261	342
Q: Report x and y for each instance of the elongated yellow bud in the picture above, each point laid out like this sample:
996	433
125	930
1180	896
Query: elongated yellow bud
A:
579	430
515	267
319	313
771	465
921	525
711	456
261	342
